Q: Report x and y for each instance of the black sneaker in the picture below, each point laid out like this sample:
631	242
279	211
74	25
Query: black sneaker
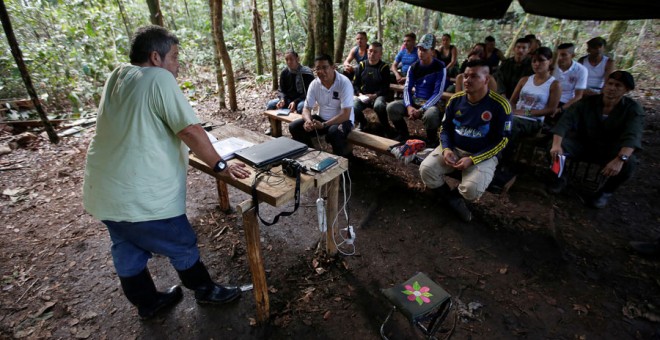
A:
600	200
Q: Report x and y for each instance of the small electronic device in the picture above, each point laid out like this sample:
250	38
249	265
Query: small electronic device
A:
324	164
283	112
320	212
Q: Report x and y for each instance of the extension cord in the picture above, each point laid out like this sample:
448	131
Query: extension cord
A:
351	234
320	212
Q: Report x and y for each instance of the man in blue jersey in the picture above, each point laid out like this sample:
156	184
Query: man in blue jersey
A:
427	77
476	127
406	57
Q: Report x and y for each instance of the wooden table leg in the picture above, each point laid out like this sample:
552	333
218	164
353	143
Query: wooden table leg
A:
223	195
251	227
275	127
332	188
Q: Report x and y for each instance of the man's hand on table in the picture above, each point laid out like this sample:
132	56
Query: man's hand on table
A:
238	171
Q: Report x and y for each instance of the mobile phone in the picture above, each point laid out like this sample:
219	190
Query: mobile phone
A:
324	164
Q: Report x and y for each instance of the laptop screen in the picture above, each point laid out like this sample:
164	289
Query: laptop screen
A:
270	152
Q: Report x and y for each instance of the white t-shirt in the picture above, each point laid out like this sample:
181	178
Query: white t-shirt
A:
533	97
575	78
331	101
596	74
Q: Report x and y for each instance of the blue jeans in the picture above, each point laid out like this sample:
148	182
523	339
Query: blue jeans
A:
272	104
134	242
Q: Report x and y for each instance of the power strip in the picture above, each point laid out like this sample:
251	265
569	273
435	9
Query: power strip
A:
350	234
320	212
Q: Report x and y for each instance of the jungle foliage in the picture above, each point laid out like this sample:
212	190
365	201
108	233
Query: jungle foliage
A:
70	46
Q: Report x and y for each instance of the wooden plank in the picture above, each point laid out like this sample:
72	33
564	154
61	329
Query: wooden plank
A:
373	142
223	195
256	263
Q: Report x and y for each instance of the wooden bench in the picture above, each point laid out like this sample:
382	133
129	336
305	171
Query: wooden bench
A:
356	137
378	144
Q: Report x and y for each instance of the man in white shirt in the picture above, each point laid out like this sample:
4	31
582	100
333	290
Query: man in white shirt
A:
333	93
571	75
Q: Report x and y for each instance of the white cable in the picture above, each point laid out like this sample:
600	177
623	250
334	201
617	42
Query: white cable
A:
348	226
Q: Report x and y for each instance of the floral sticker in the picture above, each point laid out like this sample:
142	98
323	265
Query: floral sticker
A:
418	293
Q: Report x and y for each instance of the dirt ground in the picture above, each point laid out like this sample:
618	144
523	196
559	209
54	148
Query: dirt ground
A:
529	266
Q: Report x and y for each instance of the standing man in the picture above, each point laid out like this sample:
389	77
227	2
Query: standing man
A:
427	77
598	65
334	94
514	68
607	130
371	85
135	175
476	128
405	58
294	82
571	75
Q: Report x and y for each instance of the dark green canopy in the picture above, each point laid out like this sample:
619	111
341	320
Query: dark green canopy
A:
563	9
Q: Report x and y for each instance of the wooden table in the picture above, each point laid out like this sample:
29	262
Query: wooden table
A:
274	194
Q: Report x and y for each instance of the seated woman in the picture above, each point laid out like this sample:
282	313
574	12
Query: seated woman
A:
534	97
480	49
448	55
474	55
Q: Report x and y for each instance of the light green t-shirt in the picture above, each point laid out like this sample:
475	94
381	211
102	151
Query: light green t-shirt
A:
136	165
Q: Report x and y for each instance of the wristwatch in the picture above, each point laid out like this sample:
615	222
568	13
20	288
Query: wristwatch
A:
623	158
220	166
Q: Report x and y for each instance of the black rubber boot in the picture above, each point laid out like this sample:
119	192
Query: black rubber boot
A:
141	292
197	278
456	202
402	129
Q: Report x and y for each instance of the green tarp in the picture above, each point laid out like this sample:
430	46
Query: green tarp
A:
563	9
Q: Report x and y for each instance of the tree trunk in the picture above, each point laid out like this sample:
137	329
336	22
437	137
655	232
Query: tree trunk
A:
379	14
512	45
124	19
256	29
425	20
640	40
18	57
324	30
618	31
273	50
303	24
219	38
343	24
156	16
310	50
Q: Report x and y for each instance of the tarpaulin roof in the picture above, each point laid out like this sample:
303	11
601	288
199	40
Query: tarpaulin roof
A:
563	9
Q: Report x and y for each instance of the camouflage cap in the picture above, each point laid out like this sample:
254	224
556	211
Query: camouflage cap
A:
427	42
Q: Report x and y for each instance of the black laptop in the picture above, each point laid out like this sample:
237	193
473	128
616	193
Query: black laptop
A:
271	152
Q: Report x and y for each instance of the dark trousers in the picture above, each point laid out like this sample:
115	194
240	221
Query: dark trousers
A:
600	155
334	134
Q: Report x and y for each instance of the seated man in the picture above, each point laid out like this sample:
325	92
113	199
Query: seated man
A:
608	130
371	84
598	66
357	54
427	77
511	70
333	92
294	81
475	129
493	54
406	57
571	75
